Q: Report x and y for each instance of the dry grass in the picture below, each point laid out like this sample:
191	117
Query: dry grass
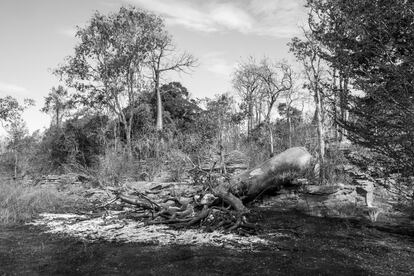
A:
21	202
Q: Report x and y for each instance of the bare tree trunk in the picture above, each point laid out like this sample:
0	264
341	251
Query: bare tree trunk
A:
221	151
115	137
290	129
250	118
289	120
260	113
128	130
335	105
15	163
159	124
321	135
57	118
271	139
345	103
341	110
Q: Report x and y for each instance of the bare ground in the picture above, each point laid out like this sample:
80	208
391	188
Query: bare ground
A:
303	245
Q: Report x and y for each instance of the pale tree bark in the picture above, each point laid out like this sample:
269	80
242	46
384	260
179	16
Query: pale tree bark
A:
341	89
16	163
314	72
272	150
164	59
344	102
271	174
334	89
159	122
290	129
321	134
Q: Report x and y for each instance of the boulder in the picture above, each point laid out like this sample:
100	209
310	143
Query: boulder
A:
326	200
365	189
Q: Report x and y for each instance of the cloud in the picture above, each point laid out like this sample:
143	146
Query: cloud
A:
279	18
11	89
215	63
231	17
68	32
276	18
179	13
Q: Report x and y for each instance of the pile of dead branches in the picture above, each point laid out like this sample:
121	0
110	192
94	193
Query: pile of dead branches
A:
203	210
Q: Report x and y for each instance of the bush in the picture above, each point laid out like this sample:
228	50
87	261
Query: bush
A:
79	140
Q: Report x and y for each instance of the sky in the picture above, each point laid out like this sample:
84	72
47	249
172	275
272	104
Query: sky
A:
36	36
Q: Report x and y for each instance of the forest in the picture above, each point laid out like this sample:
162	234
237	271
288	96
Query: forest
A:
327	140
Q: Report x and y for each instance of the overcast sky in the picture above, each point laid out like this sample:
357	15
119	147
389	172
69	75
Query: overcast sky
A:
36	35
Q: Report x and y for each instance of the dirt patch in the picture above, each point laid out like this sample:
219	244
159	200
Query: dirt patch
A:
299	245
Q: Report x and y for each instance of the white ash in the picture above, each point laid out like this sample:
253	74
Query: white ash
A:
111	228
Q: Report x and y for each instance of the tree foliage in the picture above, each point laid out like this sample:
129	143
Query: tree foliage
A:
107	69
182	110
11	110
58	103
372	43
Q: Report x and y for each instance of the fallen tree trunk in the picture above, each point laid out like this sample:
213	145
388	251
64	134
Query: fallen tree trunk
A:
268	175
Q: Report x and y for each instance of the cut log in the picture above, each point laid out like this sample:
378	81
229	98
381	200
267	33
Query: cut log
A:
270	174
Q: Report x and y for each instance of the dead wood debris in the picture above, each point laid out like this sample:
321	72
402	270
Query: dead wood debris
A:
218	203
203	210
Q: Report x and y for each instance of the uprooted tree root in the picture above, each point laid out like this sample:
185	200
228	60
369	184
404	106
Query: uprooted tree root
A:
209	212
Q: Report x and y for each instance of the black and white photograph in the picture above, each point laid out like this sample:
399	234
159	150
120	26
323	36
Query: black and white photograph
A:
207	137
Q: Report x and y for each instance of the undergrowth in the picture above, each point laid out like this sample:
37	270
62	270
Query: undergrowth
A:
20	202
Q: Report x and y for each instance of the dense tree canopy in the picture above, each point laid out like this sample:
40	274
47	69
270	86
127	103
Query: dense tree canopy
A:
372	44
176	101
107	69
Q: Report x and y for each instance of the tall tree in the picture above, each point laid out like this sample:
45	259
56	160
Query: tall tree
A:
276	79
109	62
371	44
221	114
58	103
164	58
307	52
247	83
292	114
11	120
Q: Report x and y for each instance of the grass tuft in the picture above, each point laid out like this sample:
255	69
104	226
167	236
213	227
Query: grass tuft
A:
21	202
